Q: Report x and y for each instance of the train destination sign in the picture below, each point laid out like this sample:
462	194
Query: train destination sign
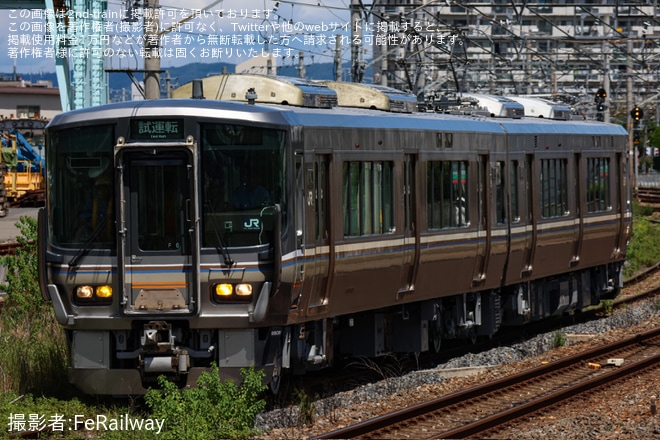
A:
157	129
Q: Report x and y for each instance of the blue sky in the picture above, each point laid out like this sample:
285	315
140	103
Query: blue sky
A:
244	28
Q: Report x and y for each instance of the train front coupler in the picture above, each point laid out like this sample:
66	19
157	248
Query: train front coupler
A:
159	353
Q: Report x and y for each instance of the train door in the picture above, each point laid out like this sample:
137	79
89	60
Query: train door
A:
483	220
157	220
622	198
410	233
531	216
579	189
319	256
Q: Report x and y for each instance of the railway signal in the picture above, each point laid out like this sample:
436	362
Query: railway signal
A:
637	114
601	95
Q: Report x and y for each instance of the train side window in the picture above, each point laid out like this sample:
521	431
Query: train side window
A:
367	198
449	140
598	184
501	196
444	140
554	185
447	194
513	191
500	200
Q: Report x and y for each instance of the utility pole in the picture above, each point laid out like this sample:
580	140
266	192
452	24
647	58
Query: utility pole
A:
168	85
151	50
356	41
629	100
301	64
338	58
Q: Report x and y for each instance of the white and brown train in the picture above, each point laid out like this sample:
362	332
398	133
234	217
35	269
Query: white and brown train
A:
184	232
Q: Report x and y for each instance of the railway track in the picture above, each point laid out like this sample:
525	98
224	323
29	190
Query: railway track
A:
649	195
482	408
9	247
638	287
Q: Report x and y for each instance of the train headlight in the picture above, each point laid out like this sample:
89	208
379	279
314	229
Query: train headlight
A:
93	295
104	292
244	290
225	292
84	292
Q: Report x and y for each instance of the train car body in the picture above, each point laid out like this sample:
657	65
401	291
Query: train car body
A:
178	233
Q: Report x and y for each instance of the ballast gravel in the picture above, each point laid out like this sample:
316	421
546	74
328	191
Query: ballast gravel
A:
625	414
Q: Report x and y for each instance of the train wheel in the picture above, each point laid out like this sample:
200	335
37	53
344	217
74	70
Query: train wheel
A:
4	209
435	335
276	375
471	335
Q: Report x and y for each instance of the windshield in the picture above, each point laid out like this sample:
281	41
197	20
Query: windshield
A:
243	171
81	187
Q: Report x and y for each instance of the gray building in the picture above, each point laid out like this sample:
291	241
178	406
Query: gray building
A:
22	99
564	48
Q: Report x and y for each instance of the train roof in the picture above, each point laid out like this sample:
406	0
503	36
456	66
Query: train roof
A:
549	126
330	118
274	89
372	96
497	106
268	89
174	107
543	108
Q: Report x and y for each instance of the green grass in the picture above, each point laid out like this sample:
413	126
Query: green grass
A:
644	248
36	393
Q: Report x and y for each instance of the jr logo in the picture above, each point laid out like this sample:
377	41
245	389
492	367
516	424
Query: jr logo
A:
252	223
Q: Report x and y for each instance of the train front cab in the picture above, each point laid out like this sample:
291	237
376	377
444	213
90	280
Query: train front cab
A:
162	271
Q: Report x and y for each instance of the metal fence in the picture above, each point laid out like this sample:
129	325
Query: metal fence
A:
650	179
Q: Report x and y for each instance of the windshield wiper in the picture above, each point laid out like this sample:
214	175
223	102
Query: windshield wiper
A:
88	244
224	250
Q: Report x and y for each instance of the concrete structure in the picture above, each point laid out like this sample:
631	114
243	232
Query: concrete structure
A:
80	74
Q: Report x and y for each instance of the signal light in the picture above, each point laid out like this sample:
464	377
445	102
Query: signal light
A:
601	94
637	113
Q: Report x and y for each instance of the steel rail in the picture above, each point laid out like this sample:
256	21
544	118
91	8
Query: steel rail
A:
550	399
369	426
